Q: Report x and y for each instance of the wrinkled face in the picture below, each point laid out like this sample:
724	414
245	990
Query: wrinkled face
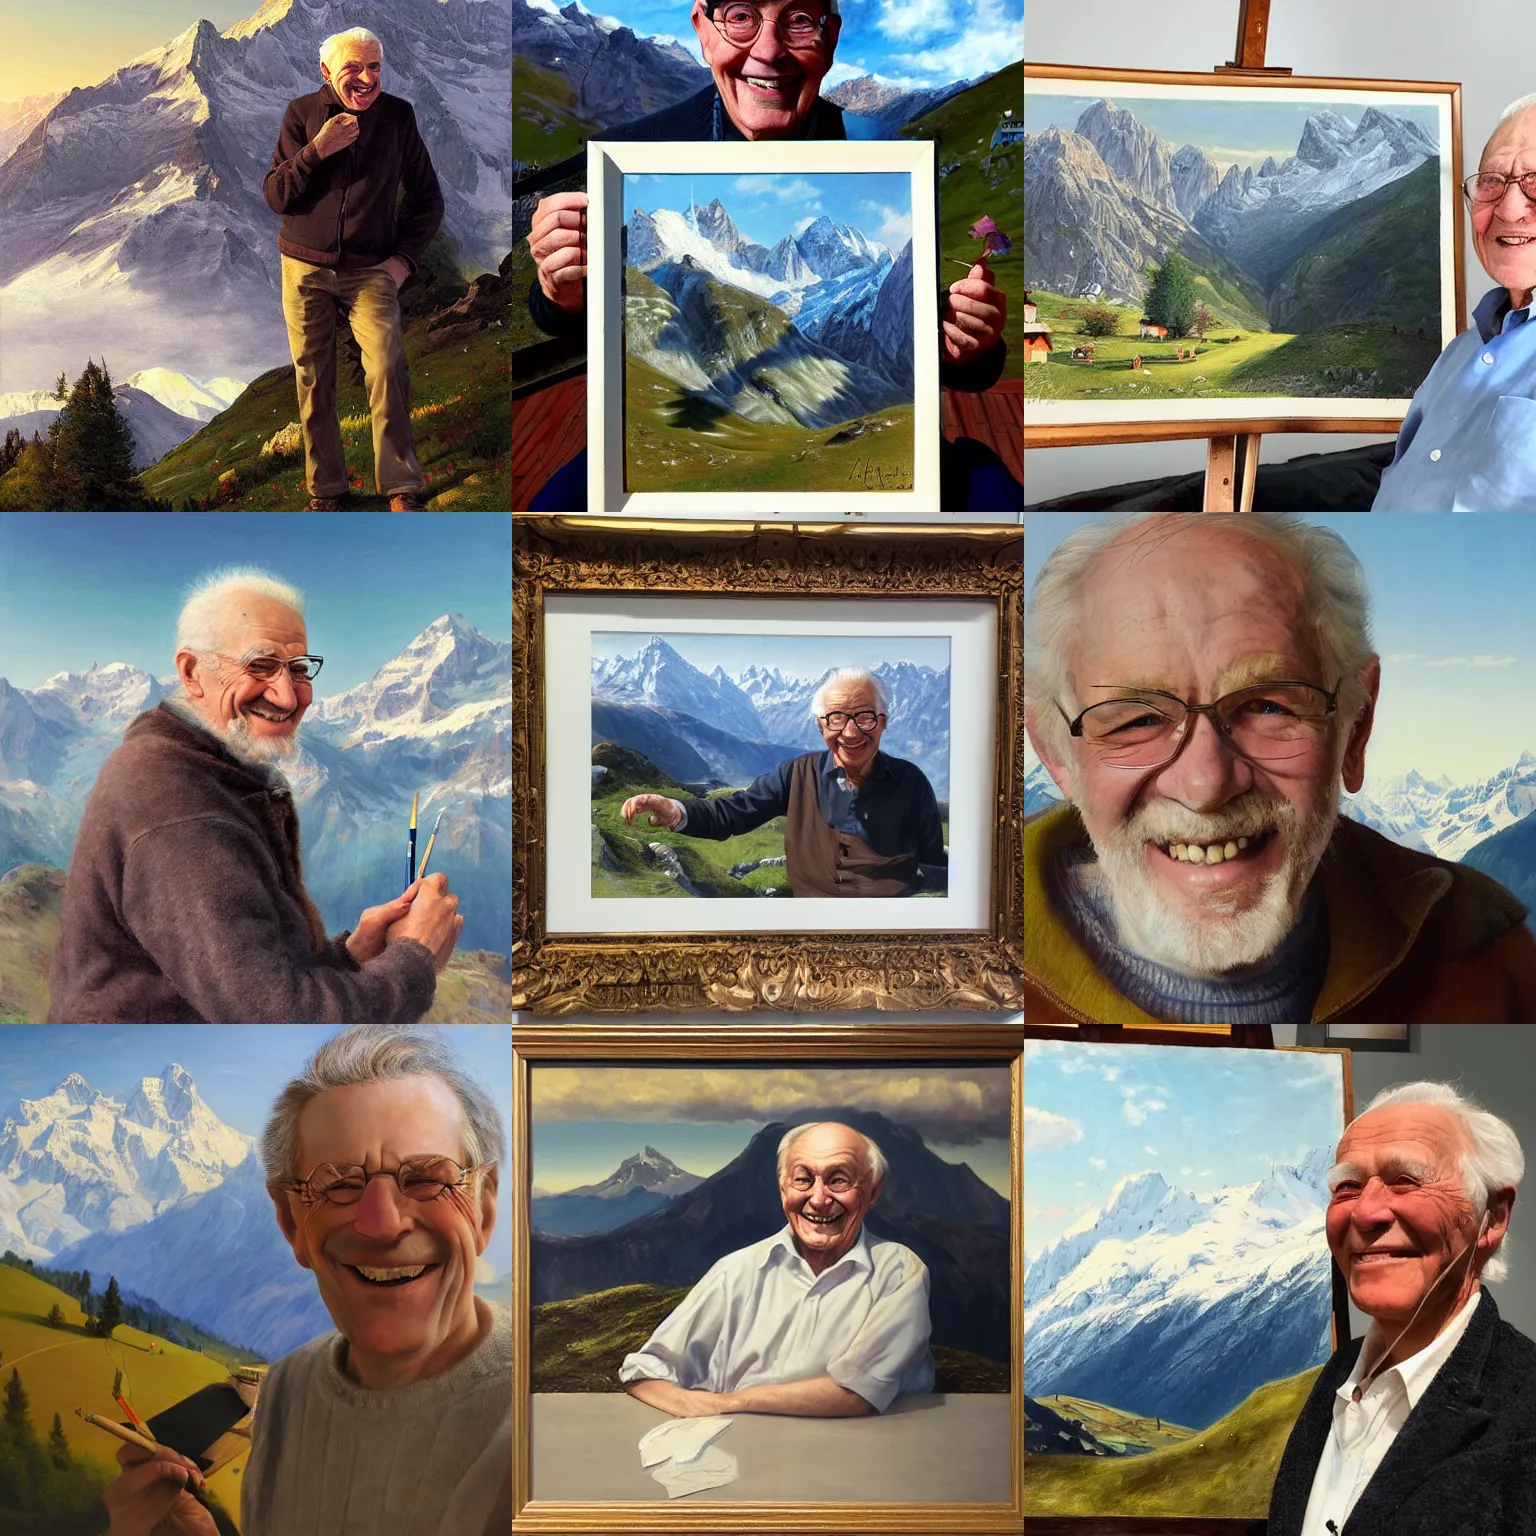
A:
767	87
1399	1214
259	718
826	1191
1199	613
1504	233
354	73
851	747
420	1255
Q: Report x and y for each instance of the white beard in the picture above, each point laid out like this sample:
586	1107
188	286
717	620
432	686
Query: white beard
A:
237	737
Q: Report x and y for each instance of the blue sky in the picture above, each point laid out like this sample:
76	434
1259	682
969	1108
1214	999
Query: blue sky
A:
1240	133
766	208
913	42
238	1069
793	655
1453	621
1206	1118
82	587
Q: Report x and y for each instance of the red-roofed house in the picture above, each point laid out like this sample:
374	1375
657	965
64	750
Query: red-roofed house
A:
1037	334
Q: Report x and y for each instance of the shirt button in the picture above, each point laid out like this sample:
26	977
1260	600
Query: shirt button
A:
1488	357
1434	455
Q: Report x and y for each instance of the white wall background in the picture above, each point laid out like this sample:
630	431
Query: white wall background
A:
1481	43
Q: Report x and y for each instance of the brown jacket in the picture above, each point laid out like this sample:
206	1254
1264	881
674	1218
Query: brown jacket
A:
1411	939
185	901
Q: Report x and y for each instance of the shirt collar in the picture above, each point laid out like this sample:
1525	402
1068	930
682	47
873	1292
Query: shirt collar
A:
783	1241
721	120
1415	1373
878	769
1493	313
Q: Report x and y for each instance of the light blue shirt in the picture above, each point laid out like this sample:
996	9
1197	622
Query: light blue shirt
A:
1468	442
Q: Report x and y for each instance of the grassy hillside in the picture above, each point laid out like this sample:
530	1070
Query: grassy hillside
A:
62	1370
1363	361
547	127
578	1345
982	181
1114	1427
1224	1471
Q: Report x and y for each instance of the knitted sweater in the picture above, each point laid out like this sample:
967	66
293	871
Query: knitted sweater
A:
185	901
330	1458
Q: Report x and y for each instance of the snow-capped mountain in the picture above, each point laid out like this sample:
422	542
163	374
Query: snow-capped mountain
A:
658	676
831	249
77	1162
156	427
140	197
1040	791
1445	819
19	118
1136	1305
648	1169
198	399
641	1184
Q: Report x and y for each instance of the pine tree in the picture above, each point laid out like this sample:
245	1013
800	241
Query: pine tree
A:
1171	297
10	451
18	1407
56	1316
61	387
30	486
93	447
58	1446
111	1310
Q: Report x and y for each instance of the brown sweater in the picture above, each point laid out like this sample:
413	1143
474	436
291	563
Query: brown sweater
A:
185	901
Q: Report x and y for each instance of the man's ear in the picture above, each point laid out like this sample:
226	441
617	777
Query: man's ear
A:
186	670
1045	749
1352	769
325	73
290	1226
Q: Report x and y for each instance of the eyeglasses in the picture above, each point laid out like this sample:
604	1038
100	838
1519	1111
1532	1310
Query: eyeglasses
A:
302	669
740	22
419	1178
1486	187
866	720
1268	722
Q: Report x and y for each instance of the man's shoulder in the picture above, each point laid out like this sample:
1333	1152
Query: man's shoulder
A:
889	1257
307	105
293	1374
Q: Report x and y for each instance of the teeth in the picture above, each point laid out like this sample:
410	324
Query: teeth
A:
1197	854
821	1220
408	1273
1207	853
1242	842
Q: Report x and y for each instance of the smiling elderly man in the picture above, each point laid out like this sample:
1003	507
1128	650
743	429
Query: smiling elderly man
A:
816	1321
1424	1427
382	1161
1200	687
359	201
1468	442
185	899
858	822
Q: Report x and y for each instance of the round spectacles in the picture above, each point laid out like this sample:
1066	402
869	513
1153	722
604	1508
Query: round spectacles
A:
866	720
1147	728
418	1178
1486	187
740	22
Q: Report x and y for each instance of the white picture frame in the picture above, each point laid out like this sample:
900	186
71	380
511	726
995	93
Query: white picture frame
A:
607	165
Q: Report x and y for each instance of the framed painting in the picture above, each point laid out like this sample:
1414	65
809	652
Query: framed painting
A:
701	820
1145	1256
648	1162
762	327
1211	254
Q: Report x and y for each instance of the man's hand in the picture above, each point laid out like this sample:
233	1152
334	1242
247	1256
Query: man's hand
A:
433	920
398	268
972	322
336	135
663	812
680	1402
366	941
151	1498
558	244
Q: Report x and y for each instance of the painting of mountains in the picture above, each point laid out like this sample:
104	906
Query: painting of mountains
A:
1145	1257
768	345
1190	247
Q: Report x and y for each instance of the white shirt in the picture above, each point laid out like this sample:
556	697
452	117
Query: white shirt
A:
759	1316
1363	1432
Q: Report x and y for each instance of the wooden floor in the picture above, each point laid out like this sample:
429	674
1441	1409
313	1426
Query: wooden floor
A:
550	427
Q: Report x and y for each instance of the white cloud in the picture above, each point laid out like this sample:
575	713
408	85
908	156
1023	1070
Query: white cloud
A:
842	71
1150	1150
994	38
781	188
914	18
801	225
1136	1110
1045	1131
895	227
1097	1162
1482	660
1186	1170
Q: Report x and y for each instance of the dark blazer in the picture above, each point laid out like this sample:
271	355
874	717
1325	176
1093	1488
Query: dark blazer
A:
1465	1462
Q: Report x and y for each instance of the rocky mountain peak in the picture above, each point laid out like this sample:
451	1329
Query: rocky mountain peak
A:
1131	150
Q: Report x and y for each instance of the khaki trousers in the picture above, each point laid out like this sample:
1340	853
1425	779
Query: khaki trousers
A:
310	298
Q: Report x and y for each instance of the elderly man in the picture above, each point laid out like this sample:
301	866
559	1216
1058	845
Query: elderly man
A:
815	1321
1424	1429
768	61
185	899
858	822
382	1163
359	201
1199	687
1467	442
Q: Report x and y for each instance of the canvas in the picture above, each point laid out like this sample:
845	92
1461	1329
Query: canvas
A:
1214	250
1177	1293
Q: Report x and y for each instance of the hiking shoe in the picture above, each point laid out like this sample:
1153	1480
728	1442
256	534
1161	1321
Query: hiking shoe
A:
325	504
406	501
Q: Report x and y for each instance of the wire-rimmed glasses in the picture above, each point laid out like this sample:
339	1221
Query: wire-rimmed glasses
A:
835	720
1146	728
739	22
418	1178
302	669
1489	186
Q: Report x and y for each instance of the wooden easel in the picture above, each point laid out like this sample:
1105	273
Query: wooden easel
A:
1224	491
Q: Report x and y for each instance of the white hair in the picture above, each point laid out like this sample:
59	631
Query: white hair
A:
846	675
1517	106
1493	1160
200	624
334	43
1333	586
874	1158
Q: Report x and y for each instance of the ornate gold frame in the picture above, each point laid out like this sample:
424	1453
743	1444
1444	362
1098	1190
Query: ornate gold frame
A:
614	973
779	1043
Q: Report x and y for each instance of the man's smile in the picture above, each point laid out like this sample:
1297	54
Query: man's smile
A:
270	712
390	1277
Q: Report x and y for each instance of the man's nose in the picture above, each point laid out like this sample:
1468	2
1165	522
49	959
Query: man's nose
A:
1208	772
282	690
767	46
381	1212
1512	212
1372	1207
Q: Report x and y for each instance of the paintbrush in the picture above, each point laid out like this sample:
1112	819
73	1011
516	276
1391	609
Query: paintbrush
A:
131	1436
432	839
410	879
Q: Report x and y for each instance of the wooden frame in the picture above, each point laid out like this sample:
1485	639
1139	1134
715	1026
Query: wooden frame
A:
1265	418
607	164
743	1043
1252	1036
900	970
